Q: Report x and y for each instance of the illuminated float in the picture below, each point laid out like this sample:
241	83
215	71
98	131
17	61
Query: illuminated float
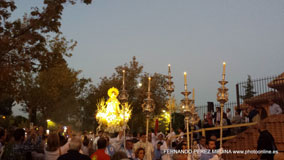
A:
111	115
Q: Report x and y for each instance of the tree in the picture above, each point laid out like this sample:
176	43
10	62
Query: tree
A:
23	41
248	89
134	74
56	89
6	106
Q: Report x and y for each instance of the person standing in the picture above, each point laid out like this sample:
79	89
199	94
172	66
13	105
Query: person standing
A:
229	114
266	142
100	153
217	116
274	108
100	135
22	148
2	141
73	152
146	145
129	149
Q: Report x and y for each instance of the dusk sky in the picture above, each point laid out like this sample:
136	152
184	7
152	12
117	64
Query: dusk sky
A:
192	36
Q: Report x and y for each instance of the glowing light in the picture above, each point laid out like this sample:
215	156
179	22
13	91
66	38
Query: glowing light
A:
110	115
164	111
185	81
50	123
224	67
4	117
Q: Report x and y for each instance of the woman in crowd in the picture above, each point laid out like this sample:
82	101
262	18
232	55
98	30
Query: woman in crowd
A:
53	149
139	154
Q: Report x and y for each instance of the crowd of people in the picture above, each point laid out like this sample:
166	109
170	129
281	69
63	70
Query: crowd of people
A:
36	144
250	114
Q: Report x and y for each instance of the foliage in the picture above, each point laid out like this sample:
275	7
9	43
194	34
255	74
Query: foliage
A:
134	74
6	104
178	118
248	89
55	90
23	42
17	121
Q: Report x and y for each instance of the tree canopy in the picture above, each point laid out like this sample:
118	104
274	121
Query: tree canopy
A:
24	42
137	94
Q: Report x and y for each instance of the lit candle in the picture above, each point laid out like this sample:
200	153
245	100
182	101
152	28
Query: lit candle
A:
123	71
224	69
169	65
193	95
185	83
149	84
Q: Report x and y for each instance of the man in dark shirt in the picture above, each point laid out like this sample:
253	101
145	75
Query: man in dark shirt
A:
253	112
73	152
266	142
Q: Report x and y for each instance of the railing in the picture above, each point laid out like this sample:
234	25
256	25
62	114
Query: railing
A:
256	87
203	130
204	108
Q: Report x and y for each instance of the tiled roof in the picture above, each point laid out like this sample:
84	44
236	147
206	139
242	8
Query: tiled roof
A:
263	98
277	82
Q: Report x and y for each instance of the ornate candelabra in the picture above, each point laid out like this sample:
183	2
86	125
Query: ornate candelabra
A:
187	109
191	117
194	117
170	90
123	97
222	98
148	107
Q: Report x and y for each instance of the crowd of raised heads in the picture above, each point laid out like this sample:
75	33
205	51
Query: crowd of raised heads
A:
249	114
36	144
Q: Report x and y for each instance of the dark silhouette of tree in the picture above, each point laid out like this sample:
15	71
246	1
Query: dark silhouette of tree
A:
23	42
248	89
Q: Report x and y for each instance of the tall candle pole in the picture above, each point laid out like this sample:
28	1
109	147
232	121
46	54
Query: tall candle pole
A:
123	71
123	97
185	81
186	110
222	98
224	70
148	107
193	95
191	117
149	84
170	89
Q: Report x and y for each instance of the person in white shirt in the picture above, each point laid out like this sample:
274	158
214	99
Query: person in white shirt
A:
274	108
171	137
180	135
149	148
229	114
